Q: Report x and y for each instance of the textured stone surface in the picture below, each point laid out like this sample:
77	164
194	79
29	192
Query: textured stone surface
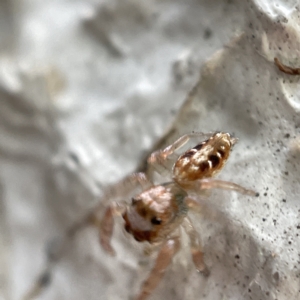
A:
86	87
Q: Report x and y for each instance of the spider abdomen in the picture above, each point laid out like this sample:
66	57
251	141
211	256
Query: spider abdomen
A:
205	159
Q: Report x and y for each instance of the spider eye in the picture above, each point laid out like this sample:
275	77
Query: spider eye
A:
156	221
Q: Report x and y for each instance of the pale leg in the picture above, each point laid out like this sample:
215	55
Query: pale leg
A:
193	204
196	247
106	230
211	183
163	260
106	227
129	186
150	248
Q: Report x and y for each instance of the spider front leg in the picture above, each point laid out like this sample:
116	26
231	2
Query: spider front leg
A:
106	230
158	159
125	188
196	247
106	225
163	260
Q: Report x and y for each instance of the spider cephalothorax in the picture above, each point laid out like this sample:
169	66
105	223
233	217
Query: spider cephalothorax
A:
153	213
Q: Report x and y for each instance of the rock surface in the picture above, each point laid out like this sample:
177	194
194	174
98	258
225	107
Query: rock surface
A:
88	87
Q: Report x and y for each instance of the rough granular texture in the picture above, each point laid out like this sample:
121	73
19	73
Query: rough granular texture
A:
88	87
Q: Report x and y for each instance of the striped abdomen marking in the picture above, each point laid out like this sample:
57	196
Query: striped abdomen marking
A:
205	159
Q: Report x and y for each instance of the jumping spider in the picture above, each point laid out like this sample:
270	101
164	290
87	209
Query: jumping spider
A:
157	212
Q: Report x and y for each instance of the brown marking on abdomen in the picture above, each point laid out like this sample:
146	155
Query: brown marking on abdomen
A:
214	159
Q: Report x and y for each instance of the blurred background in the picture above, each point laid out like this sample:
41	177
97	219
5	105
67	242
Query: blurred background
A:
88	87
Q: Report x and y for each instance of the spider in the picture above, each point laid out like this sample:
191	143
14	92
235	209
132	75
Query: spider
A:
157	212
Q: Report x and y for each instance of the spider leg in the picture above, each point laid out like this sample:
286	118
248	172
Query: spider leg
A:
196	247
150	248
106	225
106	230
193	204
163	260
131	184
211	183
159	159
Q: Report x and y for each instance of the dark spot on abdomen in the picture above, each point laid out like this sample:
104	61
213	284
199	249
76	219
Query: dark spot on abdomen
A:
215	160
204	166
188	154
199	147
